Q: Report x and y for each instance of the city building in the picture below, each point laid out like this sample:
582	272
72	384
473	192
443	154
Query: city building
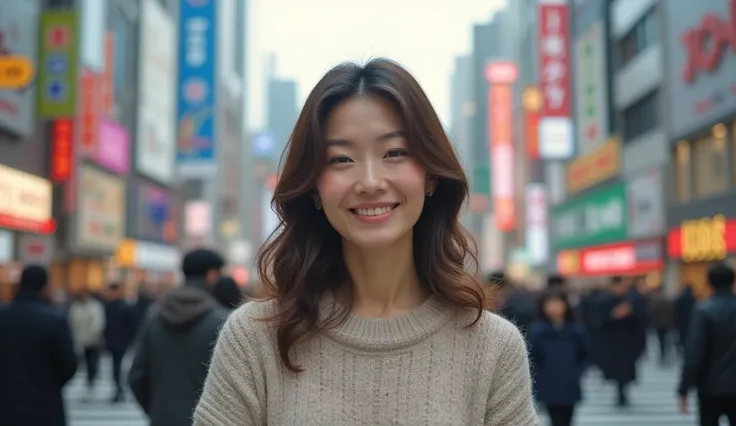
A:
701	112
26	195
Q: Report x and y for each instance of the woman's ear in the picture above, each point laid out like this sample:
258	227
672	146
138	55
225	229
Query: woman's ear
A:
317	200
431	186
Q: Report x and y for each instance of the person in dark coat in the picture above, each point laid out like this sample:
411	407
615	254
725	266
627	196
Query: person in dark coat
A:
559	356
590	313
684	305
227	293
175	345
641	304
710	351
621	319
120	328
37	356
662	320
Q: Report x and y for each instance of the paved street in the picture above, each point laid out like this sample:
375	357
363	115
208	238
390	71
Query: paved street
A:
653	401
99	411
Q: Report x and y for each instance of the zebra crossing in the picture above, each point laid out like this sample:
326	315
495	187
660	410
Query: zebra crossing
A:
653	400
83	409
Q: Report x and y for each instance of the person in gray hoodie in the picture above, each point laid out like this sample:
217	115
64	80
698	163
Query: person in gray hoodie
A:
175	343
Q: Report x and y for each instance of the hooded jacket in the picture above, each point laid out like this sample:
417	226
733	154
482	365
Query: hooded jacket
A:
173	353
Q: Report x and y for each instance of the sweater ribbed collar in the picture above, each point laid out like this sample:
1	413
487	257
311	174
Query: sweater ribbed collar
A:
386	334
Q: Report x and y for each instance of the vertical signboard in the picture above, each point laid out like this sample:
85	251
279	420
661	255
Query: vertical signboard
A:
89	111
156	129
537	244
58	59
556	141
501	75
62	150
531	100
590	88
196	92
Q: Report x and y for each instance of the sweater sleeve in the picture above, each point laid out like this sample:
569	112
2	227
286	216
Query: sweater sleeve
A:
234	391
510	401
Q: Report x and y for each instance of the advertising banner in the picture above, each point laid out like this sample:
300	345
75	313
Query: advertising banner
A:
627	258
25	202
196	155
113	150
596	218
19	32
101	210
537	236
90	108
591	112
62	150
156	138
596	167
501	76
154	214
58	60
701	63
703	240
556	138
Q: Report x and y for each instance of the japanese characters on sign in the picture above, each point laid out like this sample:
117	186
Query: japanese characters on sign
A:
556	128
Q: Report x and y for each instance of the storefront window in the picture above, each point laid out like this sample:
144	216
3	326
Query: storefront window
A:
683	172
711	164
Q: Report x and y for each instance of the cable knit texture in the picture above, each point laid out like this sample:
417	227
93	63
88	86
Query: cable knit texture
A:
422	368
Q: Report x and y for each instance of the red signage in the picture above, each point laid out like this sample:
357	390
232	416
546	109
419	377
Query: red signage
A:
501	72
702	240
627	258
62	150
554	58
502	156
90	109
708	43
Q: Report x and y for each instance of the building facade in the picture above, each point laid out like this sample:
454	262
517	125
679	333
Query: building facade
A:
701	111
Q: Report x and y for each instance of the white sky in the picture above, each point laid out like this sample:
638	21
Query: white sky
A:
311	36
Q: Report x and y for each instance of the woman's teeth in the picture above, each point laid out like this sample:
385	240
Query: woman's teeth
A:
374	212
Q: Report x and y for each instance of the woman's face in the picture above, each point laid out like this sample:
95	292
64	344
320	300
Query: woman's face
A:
372	190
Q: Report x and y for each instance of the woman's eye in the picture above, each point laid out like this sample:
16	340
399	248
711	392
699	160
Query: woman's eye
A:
340	159
395	153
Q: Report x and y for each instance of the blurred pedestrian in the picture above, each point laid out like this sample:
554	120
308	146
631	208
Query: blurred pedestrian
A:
373	317
684	305
662	321
120	327
87	320
143	302
175	344
709	363
516	304
37	355
228	293
559	356
621	319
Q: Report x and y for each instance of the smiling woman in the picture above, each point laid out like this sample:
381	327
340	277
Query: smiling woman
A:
371	309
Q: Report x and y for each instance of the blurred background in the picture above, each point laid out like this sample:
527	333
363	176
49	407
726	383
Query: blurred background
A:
599	136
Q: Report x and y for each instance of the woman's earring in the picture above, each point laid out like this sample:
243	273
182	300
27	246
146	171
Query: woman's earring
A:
317	205
429	193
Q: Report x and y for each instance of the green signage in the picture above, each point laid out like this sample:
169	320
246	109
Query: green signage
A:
57	65
481	182
593	219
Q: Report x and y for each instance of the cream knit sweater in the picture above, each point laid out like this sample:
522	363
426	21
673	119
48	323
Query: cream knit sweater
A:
422	368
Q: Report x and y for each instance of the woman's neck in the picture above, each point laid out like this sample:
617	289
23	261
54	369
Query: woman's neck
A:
385	280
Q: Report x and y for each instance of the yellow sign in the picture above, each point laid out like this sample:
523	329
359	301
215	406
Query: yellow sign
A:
704	239
599	166
16	72
125	254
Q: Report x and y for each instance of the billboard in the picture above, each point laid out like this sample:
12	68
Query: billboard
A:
196	155
156	133
57	69
556	138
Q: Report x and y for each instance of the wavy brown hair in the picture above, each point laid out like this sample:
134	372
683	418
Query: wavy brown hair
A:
302	260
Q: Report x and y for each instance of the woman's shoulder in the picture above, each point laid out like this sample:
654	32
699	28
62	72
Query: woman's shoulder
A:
493	327
251	319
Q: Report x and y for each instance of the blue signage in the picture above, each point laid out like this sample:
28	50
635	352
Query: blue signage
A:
196	90
263	144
